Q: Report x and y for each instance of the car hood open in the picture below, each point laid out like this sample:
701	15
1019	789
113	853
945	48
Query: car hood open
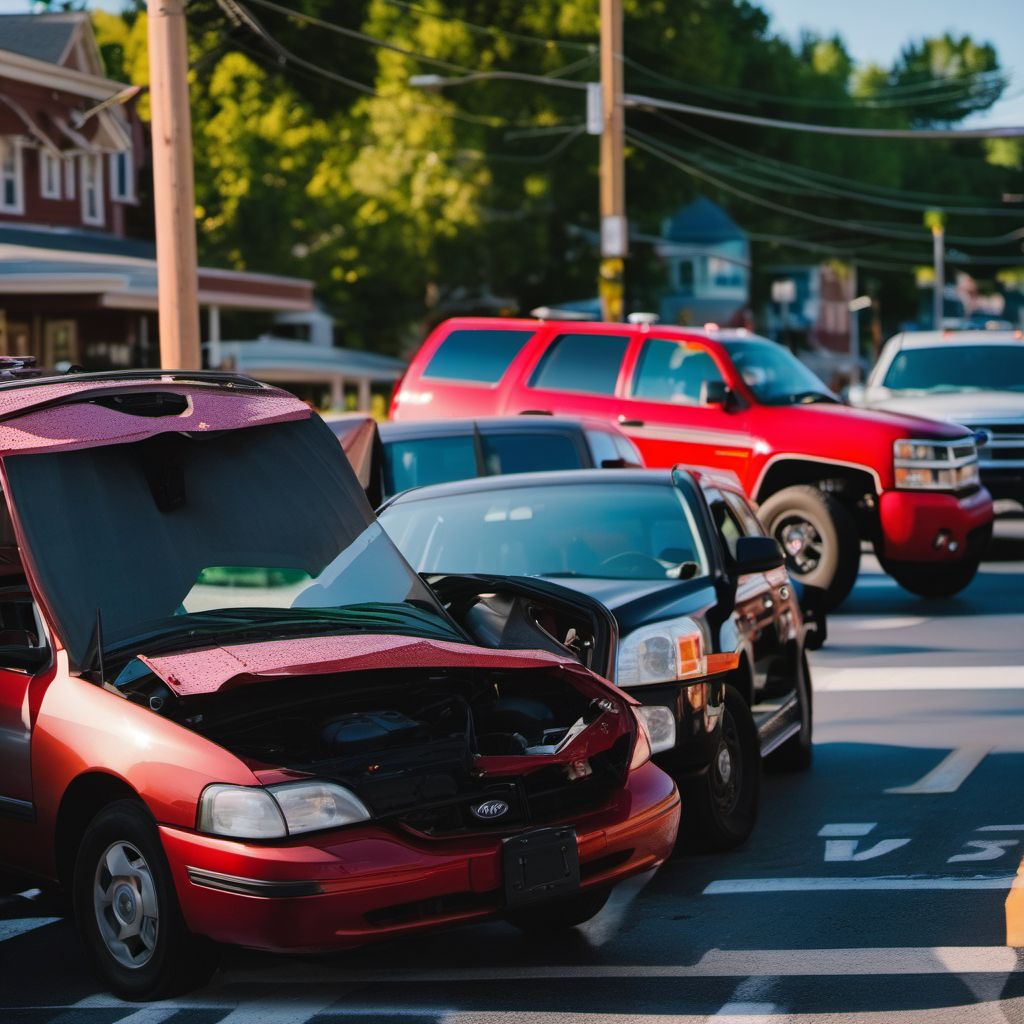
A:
190	673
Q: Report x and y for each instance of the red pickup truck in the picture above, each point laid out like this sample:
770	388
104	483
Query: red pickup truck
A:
826	476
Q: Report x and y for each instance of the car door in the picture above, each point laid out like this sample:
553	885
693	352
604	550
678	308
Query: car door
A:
24	668
676	408
755	600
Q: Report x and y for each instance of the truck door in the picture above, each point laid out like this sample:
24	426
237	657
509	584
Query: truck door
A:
677	409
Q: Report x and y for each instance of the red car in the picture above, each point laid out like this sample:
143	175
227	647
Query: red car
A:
826	476
231	711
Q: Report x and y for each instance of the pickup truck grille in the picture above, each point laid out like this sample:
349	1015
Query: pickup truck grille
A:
1006	447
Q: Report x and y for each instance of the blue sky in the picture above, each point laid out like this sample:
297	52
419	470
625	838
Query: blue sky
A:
874	30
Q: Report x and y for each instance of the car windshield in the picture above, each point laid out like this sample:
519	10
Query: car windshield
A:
957	368
606	530
181	540
775	375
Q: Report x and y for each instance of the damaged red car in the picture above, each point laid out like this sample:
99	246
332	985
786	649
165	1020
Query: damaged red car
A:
230	712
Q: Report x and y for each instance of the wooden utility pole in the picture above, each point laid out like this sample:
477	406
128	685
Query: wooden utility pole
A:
614	227
173	187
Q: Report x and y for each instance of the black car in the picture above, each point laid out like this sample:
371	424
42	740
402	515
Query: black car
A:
437	451
711	634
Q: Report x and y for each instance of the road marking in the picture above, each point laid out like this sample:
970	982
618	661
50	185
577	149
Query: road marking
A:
948	775
746	1005
916	677
840	850
984	849
849	830
1000	828
737	886
19	926
873	625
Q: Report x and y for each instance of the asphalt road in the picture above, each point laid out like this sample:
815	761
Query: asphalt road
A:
872	890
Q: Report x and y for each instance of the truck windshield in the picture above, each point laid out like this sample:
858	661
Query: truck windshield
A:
775	375
606	530
182	540
952	367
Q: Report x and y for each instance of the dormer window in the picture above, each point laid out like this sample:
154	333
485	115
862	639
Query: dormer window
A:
92	188
12	184
122	185
49	175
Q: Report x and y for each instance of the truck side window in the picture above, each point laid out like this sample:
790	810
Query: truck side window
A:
669	371
587	363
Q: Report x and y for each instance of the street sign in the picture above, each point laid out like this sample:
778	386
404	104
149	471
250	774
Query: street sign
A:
614	237
595	113
784	290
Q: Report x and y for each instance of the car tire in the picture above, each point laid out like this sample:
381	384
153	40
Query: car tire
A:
720	805
797	753
829	557
127	910
560	914
933	579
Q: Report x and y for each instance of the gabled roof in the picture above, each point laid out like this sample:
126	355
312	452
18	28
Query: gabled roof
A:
702	221
46	37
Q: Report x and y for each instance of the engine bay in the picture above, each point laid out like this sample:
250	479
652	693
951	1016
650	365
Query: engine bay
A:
422	747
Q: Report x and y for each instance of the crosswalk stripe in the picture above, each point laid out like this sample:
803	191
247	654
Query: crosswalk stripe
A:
948	775
888	883
916	677
19	926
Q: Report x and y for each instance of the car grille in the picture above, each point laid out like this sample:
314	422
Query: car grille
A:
1006	447
539	797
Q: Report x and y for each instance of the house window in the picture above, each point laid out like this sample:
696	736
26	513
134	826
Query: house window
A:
49	174
12	190
92	188
121	185
69	177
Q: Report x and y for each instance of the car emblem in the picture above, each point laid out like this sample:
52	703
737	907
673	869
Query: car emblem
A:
490	809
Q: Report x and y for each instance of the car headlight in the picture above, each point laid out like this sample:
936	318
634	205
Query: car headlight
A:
661	726
935	465
668	651
274	812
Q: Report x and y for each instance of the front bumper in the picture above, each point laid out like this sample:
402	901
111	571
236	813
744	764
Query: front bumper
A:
697	708
924	526
349	887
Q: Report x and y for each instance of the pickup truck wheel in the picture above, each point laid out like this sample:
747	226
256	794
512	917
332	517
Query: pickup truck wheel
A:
560	914
933	579
127	910
796	754
720	806
819	537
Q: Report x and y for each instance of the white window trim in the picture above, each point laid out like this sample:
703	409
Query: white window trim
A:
70	175
96	159
129	194
47	158
18	206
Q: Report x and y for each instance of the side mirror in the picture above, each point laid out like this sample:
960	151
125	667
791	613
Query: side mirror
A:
757	554
714	392
27	659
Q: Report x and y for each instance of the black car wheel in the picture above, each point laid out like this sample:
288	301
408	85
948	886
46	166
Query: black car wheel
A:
560	914
819	538
796	754
720	806
127	910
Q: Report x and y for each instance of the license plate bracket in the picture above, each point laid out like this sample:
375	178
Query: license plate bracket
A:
540	865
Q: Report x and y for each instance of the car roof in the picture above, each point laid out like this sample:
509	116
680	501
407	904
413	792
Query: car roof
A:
519	481
524	422
940	339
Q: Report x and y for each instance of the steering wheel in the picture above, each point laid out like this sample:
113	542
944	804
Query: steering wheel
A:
635	562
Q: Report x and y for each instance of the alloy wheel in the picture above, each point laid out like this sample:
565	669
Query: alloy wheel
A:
801	542
126	905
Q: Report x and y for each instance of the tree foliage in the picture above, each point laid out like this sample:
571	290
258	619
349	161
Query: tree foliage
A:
404	203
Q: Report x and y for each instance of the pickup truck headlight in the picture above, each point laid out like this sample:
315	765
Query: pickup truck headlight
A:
275	812
935	465
667	652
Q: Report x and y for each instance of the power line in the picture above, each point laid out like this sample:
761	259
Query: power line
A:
648	144
657	103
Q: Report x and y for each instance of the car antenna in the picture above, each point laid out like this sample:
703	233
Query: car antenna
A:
98	637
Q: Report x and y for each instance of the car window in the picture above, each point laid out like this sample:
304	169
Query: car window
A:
433	460
744	514
478	356
588	363
611	530
530	452
628	452
729	528
668	371
602	447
